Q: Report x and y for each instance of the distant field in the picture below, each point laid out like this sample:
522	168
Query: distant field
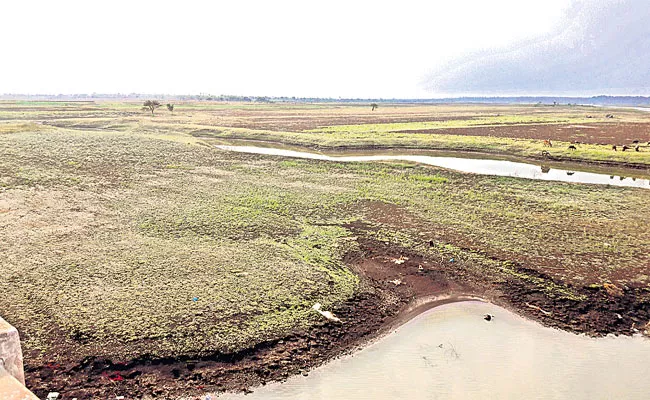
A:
125	234
511	130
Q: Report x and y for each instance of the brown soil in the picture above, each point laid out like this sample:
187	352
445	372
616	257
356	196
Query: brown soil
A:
290	122
379	306
603	133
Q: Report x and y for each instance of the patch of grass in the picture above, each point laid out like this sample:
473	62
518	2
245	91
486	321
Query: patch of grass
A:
361	139
428	178
143	241
456	123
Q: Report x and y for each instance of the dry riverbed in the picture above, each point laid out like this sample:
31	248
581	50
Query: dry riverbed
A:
139	260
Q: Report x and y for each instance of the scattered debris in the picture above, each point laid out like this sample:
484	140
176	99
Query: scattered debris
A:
326	314
195	299
400	260
451	260
116	377
488	317
396	282
619	316
420	267
613	290
539	309
430	243
451	352
53	396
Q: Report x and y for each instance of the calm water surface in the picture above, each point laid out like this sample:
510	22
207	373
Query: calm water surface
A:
471	165
450	352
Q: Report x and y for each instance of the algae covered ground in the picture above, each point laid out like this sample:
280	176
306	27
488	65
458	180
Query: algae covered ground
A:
127	236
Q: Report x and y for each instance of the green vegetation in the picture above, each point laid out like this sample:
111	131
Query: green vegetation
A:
456	123
386	139
127	236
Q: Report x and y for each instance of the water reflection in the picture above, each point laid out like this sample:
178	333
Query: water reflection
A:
471	165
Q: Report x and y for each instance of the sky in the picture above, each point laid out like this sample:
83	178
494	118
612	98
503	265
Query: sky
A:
349	49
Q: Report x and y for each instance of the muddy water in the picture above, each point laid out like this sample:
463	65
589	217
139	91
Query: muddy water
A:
471	165
450	352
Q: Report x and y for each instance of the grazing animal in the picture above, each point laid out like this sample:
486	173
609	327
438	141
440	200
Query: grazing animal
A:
572	147
635	141
636	148
625	148
430	243
548	143
488	317
570	173
614	148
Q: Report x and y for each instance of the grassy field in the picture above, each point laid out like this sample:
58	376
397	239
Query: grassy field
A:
510	130
125	234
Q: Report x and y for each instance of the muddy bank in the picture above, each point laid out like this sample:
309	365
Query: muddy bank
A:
396	285
541	157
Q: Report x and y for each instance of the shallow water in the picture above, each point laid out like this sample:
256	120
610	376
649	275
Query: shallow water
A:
450	352
471	165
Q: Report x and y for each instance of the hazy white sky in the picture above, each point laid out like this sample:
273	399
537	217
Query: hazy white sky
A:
293	48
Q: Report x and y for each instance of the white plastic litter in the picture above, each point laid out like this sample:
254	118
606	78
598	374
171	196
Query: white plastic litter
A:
326	314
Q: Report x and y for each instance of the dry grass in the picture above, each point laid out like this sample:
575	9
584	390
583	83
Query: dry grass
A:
131	237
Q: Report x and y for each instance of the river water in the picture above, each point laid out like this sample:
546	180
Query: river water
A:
451	352
471	165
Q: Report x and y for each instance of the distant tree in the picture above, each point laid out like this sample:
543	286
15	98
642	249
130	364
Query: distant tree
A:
170	107
374	106
151	105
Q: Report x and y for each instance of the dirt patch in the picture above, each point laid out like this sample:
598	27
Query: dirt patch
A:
273	123
603	133
395	281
